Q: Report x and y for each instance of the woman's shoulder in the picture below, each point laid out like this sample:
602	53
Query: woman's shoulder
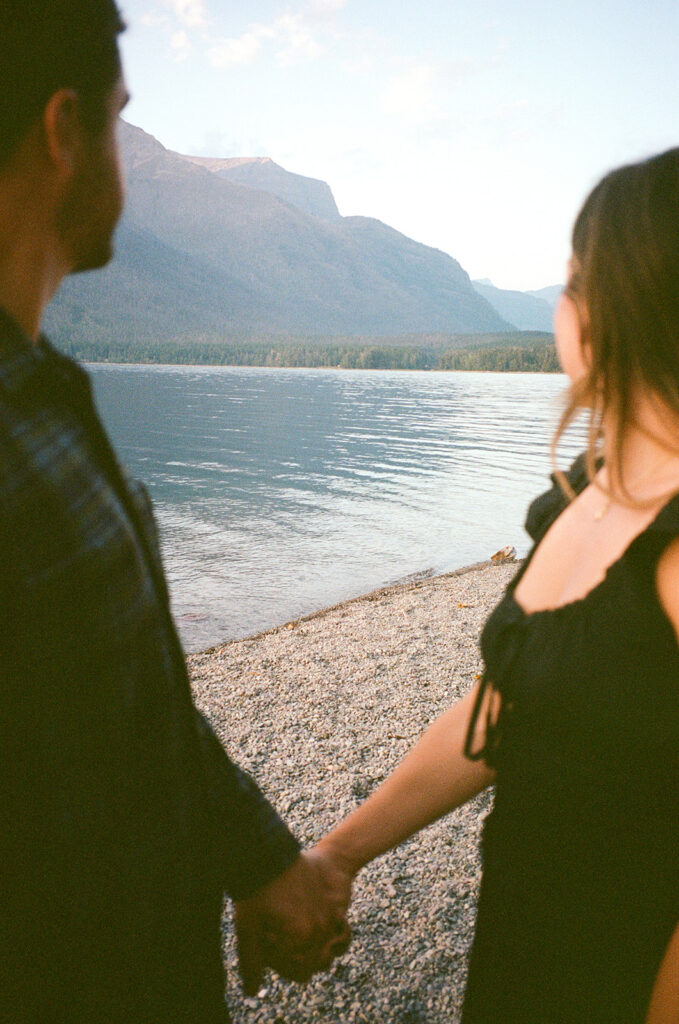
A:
667	582
544	509
664	557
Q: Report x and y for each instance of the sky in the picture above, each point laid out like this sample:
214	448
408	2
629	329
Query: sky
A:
476	127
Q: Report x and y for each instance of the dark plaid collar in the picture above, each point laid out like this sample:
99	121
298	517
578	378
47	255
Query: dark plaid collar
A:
25	364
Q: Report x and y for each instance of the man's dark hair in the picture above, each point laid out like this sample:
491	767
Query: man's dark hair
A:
47	45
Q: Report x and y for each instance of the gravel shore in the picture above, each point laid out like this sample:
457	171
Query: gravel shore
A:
320	711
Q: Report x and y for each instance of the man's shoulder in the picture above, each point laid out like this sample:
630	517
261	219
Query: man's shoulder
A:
38	430
39	442
76	558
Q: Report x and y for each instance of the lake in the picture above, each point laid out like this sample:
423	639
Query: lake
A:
281	491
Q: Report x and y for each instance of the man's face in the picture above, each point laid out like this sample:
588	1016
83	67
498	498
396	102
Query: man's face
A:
94	203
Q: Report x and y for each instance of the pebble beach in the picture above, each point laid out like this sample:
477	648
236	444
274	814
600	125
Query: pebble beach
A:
320	711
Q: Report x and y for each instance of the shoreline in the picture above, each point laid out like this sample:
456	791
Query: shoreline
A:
412	582
344	369
320	709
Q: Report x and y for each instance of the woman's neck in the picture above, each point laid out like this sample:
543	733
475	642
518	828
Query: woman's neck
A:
648	462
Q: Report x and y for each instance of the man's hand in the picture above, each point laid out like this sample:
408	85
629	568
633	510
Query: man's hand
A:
295	924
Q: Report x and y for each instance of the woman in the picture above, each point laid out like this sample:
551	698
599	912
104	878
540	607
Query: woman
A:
576	720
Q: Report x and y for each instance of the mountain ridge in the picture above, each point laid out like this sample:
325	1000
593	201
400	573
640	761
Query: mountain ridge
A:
311	195
526	311
203	256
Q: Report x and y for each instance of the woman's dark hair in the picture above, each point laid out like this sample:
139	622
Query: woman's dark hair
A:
47	45
625	284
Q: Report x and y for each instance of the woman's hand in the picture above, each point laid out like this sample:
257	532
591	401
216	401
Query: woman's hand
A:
295	924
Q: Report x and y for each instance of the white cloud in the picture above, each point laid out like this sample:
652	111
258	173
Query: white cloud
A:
327	6
296	39
320	11
180	44
180	21
294	36
189	13
241	50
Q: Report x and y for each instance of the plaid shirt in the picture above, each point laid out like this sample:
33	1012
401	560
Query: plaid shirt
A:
123	820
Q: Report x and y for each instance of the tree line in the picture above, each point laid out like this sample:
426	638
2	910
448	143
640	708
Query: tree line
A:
532	356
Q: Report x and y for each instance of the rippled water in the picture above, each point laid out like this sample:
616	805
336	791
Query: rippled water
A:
282	491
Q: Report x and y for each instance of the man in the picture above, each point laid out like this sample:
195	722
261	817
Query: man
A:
123	820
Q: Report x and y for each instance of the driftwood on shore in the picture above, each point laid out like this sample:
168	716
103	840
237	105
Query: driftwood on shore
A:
320	710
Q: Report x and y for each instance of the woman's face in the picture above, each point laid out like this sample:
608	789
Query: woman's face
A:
568	334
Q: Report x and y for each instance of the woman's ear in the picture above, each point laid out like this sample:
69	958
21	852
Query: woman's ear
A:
586	352
584	322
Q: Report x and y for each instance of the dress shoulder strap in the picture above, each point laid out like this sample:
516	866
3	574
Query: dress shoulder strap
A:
548	506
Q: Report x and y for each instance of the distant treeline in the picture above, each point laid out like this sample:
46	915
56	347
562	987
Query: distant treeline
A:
517	352
529	359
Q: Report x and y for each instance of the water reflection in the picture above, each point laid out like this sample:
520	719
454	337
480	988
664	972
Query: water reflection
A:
281	491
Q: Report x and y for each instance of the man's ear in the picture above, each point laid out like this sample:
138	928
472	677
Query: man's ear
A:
63	131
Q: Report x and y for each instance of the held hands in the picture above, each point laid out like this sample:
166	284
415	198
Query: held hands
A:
295	924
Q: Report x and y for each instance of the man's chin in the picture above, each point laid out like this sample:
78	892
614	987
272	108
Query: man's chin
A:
93	260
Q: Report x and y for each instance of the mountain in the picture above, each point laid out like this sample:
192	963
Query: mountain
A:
550	294
308	194
527	311
200	255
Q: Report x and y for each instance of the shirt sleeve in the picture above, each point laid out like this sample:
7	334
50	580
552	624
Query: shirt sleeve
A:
254	846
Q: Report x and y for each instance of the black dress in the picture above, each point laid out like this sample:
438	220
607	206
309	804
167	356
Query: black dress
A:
580	890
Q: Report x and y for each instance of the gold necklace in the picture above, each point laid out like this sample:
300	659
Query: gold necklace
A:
601	512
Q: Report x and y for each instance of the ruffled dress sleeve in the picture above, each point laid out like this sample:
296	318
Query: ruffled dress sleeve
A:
544	509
